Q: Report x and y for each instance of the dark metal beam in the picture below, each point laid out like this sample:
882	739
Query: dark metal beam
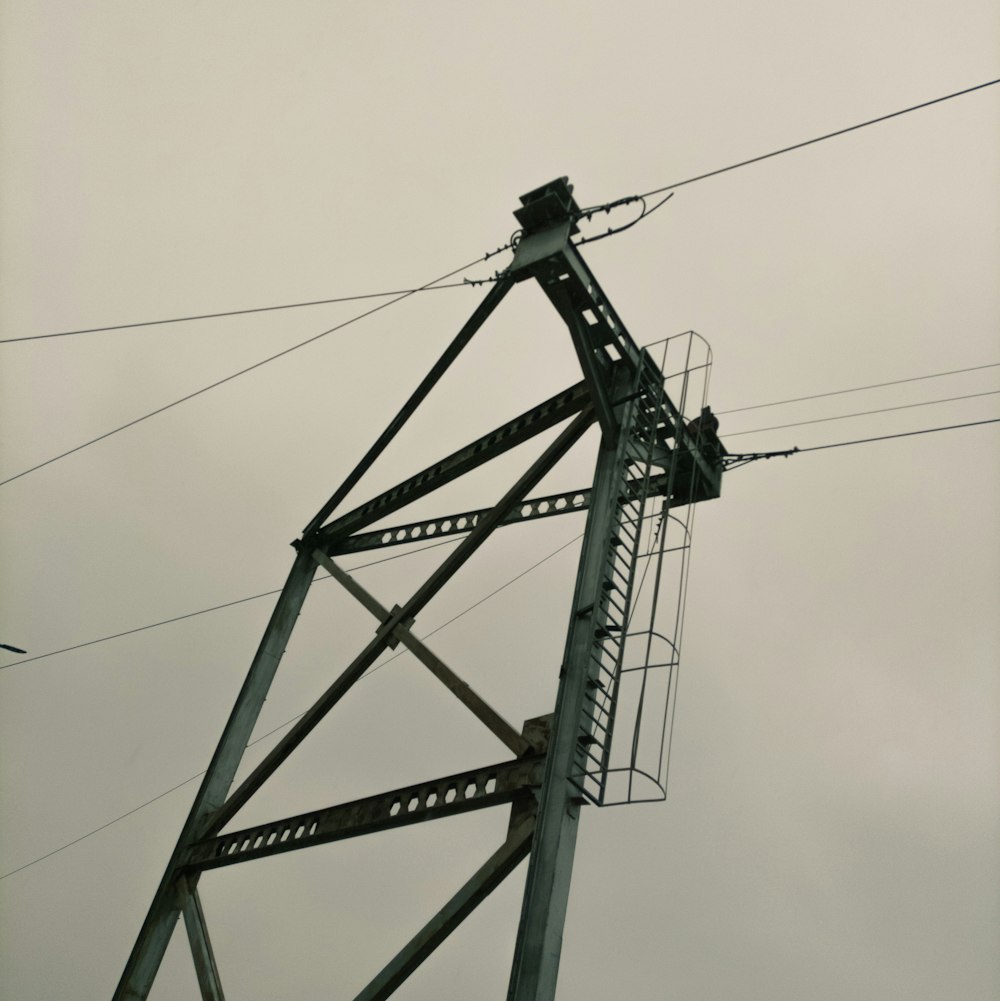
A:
547	784
546	894
201	946
461	523
462	904
154	936
462	338
502	439
594	363
481	709
476	789
312	716
533	508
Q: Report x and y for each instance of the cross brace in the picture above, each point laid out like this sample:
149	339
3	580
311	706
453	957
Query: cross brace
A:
476	789
532	509
502	439
541	783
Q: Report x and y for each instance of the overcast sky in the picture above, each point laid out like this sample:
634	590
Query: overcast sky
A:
833	825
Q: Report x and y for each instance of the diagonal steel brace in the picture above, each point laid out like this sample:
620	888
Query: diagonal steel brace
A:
459	688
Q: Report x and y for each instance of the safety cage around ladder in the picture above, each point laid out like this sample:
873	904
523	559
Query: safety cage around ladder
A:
625	736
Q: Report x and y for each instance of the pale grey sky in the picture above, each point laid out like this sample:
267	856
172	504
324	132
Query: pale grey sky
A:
833	824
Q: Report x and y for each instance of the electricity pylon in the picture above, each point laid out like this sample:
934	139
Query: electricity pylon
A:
653	464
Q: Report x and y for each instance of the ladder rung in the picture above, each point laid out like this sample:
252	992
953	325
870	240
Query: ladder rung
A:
620	609
600	726
623	530
597	761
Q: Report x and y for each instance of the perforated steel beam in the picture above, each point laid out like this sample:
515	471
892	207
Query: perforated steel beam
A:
502	439
463	792
461	339
540	784
312	716
154	936
533	508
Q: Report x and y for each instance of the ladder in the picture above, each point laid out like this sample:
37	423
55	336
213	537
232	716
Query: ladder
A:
643	430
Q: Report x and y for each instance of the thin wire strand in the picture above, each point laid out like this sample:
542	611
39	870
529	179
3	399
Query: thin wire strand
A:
236	375
264	594
856	389
437	281
818	139
590	210
904	434
215	608
660	190
814	448
864	413
289	722
433	287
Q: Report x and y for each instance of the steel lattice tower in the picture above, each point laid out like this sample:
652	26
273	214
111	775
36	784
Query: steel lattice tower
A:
653	462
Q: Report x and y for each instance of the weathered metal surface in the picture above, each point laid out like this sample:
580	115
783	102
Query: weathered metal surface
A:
539	937
616	388
154	936
462	904
459	524
493	785
201	946
502	439
312	716
567	502
481	709
594	363
461	339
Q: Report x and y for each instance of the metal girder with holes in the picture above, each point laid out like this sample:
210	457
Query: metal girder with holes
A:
477	789
542	784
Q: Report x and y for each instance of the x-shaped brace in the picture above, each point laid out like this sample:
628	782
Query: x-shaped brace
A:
481	709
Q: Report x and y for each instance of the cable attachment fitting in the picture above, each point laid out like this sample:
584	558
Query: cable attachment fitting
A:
735	460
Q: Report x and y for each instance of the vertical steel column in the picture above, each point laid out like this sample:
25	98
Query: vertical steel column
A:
154	936
543	911
201	944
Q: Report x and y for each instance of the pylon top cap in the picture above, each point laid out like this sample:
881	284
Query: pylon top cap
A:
545	206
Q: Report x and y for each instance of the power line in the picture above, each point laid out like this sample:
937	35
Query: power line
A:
591	210
903	434
97	830
436	282
242	371
864	413
856	389
582	213
817	139
213	608
289	722
233	312
264	594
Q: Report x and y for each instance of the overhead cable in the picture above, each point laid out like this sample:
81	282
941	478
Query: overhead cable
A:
242	371
582	213
856	389
864	413
289	722
264	594
818	139
902	434
215	608
591	210
232	312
